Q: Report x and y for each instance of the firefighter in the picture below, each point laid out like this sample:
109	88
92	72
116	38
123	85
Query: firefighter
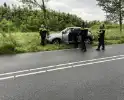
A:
101	36
83	34
43	33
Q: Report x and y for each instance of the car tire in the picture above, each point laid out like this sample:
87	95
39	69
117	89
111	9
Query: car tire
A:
56	41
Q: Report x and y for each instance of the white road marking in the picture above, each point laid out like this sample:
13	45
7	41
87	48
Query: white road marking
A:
74	63
41	68
59	68
34	73
62	64
5	78
50	70
91	63
10	73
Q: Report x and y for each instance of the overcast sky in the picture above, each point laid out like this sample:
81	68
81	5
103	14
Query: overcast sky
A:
86	9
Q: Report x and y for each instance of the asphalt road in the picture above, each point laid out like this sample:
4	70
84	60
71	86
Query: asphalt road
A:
64	75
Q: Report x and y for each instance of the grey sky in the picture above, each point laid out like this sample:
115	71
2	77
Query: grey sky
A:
86	9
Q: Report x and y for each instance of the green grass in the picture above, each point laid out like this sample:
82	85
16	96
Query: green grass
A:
26	42
111	34
30	42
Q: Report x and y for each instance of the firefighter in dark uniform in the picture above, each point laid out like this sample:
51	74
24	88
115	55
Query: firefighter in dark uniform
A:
43	33
83	34
101	36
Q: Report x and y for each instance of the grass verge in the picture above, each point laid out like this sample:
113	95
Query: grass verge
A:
30	42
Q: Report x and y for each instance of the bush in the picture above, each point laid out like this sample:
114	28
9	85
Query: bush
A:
7	49
122	40
23	28
7	26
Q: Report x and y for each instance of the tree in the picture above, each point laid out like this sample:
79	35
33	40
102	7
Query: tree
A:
35	3
114	10
26	19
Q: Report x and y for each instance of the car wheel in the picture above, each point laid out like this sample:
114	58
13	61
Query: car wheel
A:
56	41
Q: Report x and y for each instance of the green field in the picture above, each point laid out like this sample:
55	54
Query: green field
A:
30	42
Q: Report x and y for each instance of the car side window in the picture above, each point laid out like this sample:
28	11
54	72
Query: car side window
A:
65	30
77	30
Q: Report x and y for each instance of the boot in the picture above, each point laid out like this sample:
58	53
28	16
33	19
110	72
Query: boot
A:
97	49
85	50
103	49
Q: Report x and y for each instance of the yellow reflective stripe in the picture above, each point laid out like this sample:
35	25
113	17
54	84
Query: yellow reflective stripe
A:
40	29
101	29
84	28
43	29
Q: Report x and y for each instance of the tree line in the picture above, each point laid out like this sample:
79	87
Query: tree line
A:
114	9
26	19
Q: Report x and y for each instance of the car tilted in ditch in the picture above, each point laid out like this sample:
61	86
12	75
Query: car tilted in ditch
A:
65	36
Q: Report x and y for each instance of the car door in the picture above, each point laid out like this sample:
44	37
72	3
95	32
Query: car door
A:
65	35
78	30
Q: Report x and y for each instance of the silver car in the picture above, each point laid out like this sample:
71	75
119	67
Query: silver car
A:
65	36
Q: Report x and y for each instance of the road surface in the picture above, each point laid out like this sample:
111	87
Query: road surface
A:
64	75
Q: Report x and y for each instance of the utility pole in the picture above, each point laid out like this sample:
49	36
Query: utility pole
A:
120	14
44	12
